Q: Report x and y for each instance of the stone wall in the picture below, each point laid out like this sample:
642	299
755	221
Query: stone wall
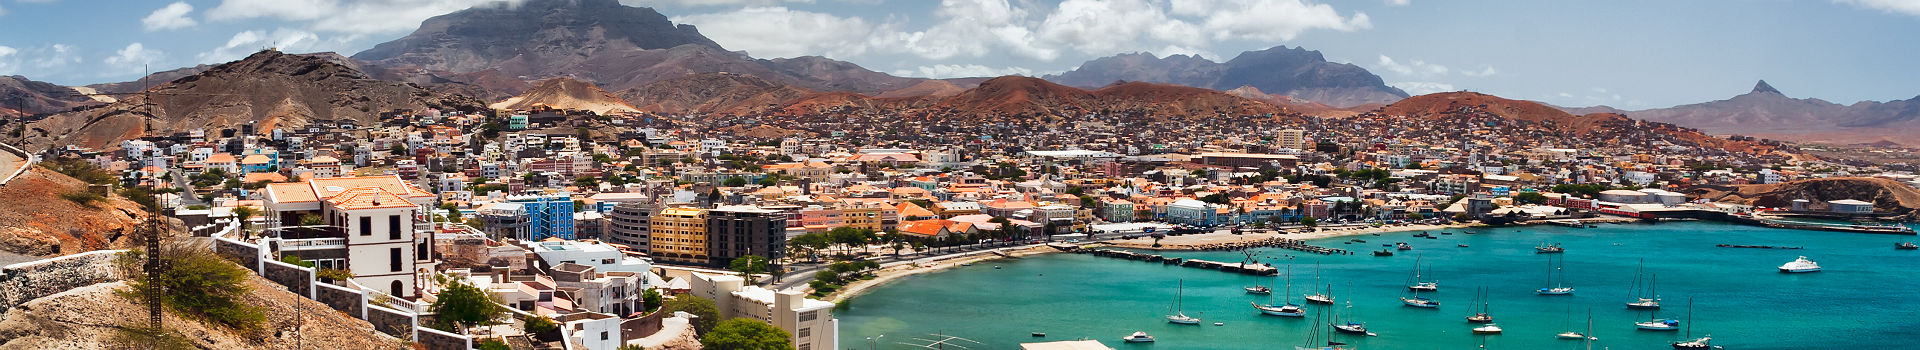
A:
390	321
435	339
340	298
644	326
247	255
298	280
26	281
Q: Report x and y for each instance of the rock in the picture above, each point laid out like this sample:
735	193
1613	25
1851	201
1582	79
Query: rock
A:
89	318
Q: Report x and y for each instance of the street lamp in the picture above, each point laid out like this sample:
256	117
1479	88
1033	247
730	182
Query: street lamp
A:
871	341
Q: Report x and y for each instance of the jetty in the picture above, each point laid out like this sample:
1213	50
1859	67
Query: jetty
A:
1275	242
1856	228
1256	269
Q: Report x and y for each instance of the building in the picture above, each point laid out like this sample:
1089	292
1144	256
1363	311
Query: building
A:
1193	212
371	226
616	293
809	323
679	235
1850	206
737	231
503	220
1246	160
627	224
1291	138
547	215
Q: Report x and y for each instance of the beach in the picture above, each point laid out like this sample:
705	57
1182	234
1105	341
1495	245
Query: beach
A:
891	272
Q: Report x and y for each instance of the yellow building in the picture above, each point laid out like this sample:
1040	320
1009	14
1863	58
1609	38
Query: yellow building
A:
864	215
679	235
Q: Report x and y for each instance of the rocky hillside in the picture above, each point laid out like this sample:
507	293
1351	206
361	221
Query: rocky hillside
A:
1767	112
1018	96
571	94
271	88
601	41
37	219
1887	195
20	96
1598	126
91	317
711	93
1294	72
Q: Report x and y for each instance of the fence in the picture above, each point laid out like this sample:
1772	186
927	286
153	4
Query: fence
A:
26	162
392	316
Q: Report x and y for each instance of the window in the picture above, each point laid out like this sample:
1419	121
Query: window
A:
366	226
394	256
809	316
396	289
804	332
393	227
603	335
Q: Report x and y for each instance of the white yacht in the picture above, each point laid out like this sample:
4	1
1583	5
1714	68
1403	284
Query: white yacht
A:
1139	337
1487	329
1800	265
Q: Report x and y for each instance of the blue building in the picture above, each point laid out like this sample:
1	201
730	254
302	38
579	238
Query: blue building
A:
547	215
1194	213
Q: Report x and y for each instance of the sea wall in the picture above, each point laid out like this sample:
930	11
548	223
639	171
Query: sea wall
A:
26	281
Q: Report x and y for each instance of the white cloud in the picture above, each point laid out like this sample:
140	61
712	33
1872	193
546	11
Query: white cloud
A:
56	56
247	42
781	32
1270	20
342	16
1399	2
1480	73
652	3
174	16
3	11
37	61
1416	68
1910	7
942	71
131	60
1422	88
6	60
1563	94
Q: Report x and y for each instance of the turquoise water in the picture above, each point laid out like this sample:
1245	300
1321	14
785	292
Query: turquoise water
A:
1860	301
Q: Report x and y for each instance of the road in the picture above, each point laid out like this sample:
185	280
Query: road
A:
10	162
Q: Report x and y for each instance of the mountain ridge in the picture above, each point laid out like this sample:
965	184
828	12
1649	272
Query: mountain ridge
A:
1296	72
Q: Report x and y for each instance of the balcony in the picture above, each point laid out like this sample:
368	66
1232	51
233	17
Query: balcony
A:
313	244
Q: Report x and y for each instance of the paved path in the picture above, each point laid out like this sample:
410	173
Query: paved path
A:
9	163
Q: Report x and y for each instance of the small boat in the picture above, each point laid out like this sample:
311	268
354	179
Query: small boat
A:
1138	337
1258	290
1039	335
1420	302
1658	325
1554	288
1651	300
1800	265
1906	246
1317	298
1480	314
1462	245
1288	309
966	264
1418	284
1698	343
1383	252
996	267
1574	335
1487	329
1352	325
1446	233
1425	286
1179	316
1549	249
1216	324
1577	335
1402	246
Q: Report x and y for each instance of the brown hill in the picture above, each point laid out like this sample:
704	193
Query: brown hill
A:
564	93
1469	104
1300	106
1179	101
712	93
1887	195
935	88
36	219
20	96
1018	96
274	89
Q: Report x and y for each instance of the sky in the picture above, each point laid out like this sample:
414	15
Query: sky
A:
1631	54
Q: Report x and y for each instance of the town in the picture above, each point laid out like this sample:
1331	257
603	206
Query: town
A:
590	228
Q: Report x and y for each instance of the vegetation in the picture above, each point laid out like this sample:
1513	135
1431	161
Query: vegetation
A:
541	325
838	274
748	266
465	305
80	169
706	316
149	338
745	334
493	344
1530	198
198	284
83	197
1309	221
650	299
1586	190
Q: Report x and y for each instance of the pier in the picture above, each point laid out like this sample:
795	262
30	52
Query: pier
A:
1275	242
1255	269
1856	228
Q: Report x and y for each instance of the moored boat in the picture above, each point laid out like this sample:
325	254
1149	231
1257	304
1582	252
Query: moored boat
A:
1549	249
1906	246
1179	316
1487	329
1138	337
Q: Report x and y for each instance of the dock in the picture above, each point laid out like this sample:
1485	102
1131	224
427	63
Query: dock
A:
1275	242
1855	228
1255	269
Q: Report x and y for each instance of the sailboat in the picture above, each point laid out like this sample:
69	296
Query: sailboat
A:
1417	284
1179	316
1257	289
1697	343
1577	334
1480	315
1652	299
1655	323
1555	288
1289	308
1351	326
1313	335
1318	298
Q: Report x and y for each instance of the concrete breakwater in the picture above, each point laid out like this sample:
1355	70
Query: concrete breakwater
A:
1256	269
1275	242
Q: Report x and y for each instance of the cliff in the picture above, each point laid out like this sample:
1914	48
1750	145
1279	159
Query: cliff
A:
1887	195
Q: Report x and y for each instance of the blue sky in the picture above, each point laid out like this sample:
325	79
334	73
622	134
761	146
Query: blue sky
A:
1631	54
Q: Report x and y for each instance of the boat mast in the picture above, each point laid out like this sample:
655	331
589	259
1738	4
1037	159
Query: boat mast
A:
1289	283
1689	318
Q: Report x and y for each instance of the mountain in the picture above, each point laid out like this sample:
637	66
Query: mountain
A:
1596	127
37	218
599	41
566	93
1018	96
711	93
1767	112
151	79
20	96
272	88
1294	72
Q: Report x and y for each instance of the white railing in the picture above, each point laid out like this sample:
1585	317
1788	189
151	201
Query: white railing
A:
26	162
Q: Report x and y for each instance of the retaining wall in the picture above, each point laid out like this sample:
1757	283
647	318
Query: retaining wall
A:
435	339
340	298
392	322
297	279
26	281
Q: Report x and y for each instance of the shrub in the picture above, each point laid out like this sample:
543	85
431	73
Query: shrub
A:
464	305
541	325
493	344
706	315
745	334
198	284
83	197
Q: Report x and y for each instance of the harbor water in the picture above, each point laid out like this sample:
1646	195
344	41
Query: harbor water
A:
1859	301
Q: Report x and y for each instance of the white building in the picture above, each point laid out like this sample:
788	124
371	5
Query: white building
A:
809	323
600	256
370	226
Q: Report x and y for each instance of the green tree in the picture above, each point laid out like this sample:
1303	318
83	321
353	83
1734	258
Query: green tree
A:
465	305
244	213
735	182
198	284
541	325
813	242
1530	198
706	316
746	334
493	344
650	299
1309	221
748	266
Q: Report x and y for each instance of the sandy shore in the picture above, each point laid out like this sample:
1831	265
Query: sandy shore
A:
1190	242
919	266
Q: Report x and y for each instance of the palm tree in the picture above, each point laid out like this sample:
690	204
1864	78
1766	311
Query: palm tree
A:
243	213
